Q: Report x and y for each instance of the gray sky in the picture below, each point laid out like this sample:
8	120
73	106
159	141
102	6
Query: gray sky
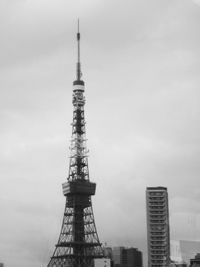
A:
141	63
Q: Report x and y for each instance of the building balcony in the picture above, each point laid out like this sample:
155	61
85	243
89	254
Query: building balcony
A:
155	234
158	246
163	222
156	203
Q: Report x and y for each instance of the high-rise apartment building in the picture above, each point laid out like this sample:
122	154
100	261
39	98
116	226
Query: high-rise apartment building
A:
158	227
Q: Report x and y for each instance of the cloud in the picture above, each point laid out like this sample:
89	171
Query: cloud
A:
196	2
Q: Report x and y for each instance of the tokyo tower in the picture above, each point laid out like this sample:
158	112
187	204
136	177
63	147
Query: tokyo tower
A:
78	243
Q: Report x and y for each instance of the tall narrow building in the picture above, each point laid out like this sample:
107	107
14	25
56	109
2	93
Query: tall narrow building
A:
158	227
78	244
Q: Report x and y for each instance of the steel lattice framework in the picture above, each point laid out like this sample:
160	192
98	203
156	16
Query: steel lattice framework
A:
78	244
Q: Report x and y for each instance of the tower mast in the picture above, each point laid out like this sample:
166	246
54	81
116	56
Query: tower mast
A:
78	69
78	244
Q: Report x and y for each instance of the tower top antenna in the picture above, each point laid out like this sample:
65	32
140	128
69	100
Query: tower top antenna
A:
78	62
78	25
78	84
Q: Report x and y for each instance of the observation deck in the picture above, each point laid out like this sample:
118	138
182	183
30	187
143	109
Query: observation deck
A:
79	187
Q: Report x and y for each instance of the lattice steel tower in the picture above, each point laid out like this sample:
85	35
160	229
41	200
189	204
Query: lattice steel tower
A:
78	244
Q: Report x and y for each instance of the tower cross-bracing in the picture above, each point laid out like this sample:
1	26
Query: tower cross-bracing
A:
78	244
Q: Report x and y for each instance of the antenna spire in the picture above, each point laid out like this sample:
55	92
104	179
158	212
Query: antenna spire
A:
78	84
78	68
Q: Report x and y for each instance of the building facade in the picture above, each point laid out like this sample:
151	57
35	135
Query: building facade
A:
158	227
178	264
184	250
104	262
196	261
126	257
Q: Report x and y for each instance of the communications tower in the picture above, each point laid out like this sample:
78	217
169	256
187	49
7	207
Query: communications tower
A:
78	244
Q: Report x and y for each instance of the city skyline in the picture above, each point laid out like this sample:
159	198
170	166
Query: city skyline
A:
141	63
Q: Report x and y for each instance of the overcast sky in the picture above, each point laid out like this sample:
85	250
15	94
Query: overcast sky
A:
141	64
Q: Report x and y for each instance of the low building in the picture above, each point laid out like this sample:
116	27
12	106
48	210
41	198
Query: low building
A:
126	257
108	252
178	264
104	262
184	250
196	261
